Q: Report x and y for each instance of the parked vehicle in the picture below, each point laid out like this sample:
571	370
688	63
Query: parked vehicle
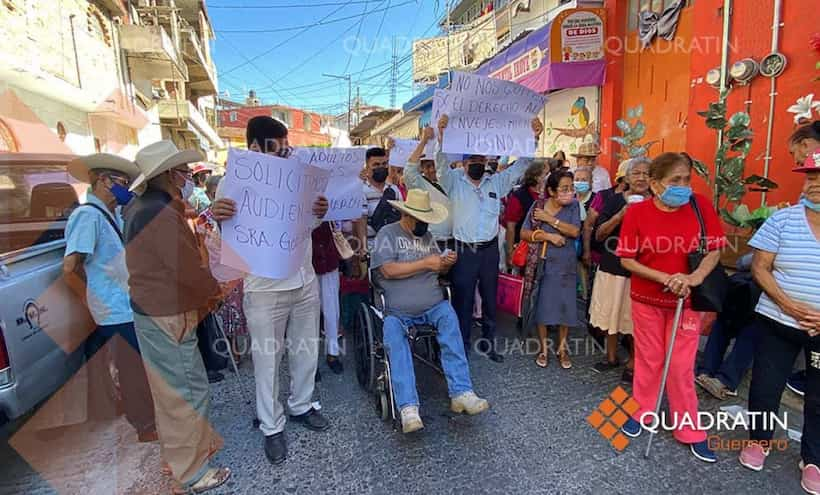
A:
42	323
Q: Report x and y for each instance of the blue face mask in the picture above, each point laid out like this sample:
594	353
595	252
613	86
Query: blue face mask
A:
121	194
582	187
810	204
676	196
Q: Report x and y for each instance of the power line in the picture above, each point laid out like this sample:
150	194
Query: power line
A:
358	32
316	24
290	6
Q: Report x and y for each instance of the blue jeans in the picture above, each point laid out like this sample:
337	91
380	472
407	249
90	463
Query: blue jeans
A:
443	318
731	370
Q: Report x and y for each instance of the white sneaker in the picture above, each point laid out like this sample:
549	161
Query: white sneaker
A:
410	419
469	403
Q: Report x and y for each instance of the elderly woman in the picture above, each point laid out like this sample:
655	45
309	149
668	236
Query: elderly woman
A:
656	238
786	265
519	202
556	221
611	306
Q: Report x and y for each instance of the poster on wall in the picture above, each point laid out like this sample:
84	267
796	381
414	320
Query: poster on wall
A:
582	36
571	118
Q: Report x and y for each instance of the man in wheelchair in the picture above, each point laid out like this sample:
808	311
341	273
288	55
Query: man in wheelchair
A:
406	264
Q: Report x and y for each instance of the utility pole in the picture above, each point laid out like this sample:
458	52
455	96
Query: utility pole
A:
447	6
394	75
345	77
358	101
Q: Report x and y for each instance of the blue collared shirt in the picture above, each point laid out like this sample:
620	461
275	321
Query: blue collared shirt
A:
475	210
89	233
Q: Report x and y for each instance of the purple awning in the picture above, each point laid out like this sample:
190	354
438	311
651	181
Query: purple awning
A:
527	62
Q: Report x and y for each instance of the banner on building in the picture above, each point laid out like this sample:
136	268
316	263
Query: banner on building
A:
274	212
487	116
467	48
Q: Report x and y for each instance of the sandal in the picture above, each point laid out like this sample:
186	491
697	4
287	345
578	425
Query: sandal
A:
541	360
213	478
563	358
712	385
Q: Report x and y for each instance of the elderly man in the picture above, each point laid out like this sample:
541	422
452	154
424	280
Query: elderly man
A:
94	268
475	199
587	157
282	314
407	266
171	291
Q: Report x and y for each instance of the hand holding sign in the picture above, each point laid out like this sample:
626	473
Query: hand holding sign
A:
401	151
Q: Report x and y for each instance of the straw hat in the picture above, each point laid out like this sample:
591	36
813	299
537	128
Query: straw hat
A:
160	157
79	167
811	163
588	149
623	168
419	206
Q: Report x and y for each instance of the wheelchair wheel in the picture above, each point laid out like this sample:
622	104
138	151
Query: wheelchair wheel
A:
383	405
365	348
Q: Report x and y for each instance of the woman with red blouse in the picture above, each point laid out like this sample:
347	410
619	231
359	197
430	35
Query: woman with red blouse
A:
656	238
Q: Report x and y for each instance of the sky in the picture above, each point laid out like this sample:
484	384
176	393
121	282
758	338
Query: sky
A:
281	48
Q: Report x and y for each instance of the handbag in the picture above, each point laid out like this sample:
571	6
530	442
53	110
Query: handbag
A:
213	347
342	246
710	295
510	294
519	256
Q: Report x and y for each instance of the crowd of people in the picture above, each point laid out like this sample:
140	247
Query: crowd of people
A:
141	252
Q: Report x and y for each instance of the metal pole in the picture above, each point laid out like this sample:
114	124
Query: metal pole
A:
776	15
358	102
76	54
349	104
724	75
448	36
675	325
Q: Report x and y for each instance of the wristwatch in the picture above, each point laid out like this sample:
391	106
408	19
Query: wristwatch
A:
555	225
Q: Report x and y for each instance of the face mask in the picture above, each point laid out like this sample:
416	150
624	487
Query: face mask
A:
121	194
284	152
565	198
379	175
475	170
420	229
810	204
582	187
676	196
187	189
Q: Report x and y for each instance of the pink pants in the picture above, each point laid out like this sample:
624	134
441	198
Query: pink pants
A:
653	329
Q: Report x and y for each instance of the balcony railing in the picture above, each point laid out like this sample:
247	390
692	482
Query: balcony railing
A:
201	72
155	50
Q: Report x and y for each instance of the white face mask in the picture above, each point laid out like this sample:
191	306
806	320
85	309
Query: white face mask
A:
187	189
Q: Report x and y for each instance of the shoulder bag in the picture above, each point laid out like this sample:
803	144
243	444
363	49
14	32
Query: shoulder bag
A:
710	295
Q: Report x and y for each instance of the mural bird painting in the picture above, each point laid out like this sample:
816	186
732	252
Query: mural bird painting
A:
580	109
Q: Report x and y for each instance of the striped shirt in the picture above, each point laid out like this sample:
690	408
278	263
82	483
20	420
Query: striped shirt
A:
796	264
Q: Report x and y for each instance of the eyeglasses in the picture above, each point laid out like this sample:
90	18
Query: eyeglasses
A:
185	173
566	189
123	181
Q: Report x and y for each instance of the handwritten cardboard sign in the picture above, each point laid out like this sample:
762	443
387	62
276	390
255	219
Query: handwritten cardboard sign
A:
487	116
344	191
401	151
274	201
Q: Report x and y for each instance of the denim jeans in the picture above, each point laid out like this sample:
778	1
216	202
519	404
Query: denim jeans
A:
731	370
443	318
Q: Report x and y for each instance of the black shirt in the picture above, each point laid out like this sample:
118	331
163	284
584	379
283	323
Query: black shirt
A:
609	262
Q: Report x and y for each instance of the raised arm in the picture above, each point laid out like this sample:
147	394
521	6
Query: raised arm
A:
412	176
446	177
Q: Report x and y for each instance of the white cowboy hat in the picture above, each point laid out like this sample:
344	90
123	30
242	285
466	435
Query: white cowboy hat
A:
79	167
160	157
419	206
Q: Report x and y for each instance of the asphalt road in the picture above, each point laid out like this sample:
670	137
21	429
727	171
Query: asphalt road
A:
534	439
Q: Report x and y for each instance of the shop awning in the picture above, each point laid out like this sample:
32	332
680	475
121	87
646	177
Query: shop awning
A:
566	53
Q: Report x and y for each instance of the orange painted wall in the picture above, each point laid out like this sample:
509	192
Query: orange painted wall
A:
751	37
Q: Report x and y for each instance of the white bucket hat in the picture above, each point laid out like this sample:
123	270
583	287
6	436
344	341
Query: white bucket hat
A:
160	157
419	206
79	167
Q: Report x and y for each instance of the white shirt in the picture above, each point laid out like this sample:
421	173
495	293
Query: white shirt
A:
600	179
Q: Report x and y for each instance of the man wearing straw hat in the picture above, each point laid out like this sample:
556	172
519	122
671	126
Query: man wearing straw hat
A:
407	265
587	156
170	291
94	267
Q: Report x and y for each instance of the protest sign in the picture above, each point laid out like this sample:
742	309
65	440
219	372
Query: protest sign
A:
274	212
401	151
430	150
487	116
344	192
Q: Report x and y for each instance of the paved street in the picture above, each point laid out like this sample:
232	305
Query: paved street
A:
535	439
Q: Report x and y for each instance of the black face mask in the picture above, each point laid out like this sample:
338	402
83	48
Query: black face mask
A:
420	229
475	170
380	174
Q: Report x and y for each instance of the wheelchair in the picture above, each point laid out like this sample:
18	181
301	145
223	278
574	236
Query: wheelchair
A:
371	359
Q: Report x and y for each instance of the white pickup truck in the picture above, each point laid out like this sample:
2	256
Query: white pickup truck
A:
42	323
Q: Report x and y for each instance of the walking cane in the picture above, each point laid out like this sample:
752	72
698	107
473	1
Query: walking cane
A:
675	325
240	384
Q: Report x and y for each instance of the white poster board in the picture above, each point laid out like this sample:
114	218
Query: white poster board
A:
401	151
274	219
344	192
487	116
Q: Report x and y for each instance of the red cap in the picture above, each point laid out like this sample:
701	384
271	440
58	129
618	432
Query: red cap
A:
201	167
811	163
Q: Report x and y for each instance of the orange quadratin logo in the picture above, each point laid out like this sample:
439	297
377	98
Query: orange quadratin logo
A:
610	416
